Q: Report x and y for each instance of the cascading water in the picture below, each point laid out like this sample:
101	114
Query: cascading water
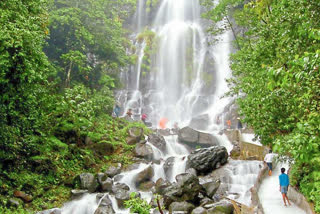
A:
186	81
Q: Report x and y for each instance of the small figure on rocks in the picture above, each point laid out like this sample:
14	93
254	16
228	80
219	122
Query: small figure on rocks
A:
143	118
163	123
117	110
284	185
129	113
229	124
239	124
268	159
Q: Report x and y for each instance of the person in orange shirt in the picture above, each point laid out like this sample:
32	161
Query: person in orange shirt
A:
229	124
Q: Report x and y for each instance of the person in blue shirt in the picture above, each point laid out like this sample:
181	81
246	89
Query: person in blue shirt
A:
284	185
116	110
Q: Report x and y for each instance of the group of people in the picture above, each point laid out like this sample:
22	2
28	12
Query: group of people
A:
129	113
283	177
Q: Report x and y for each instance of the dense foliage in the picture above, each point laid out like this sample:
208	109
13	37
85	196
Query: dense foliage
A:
58	63
276	75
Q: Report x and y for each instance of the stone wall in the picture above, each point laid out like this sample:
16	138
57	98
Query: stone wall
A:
297	198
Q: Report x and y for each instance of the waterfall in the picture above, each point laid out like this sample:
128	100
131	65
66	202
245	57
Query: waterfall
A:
186	81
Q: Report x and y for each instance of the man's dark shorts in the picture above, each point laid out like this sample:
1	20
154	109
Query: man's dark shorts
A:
270	166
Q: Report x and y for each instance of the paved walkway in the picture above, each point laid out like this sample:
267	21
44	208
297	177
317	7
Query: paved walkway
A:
271	198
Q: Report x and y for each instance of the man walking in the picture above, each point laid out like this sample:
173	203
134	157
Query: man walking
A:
268	159
284	185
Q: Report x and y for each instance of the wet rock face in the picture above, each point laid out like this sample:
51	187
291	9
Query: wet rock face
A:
167	166
200	122
199	210
105	182
195	138
121	193
105	206
161	185
181	206
207	159
87	181
135	134
158	141
211	187
144	176
186	188
113	170
143	151
78	193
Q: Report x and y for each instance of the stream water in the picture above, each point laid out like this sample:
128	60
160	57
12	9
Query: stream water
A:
185	84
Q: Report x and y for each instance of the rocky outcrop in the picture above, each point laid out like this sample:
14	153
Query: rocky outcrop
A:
87	181
113	170
181	207
200	122
105	206
211	187
168	164
158	141
135	134
121	193
186	188
105	183
143	150
199	210
76	193
207	159
144	176
161	185
194	138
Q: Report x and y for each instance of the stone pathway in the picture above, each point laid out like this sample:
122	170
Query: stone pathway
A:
271	198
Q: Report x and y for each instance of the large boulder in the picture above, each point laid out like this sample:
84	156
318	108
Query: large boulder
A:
143	150
207	159
167	166
113	170
121	193
144	175
199	210
211	187
200	122
187	188
194	138
161	185
135	134
87	181
181	207
105	182
188	135
158	141
147	186
105	206
77	193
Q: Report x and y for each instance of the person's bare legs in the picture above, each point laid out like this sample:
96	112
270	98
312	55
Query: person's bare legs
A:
287	199
284	199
